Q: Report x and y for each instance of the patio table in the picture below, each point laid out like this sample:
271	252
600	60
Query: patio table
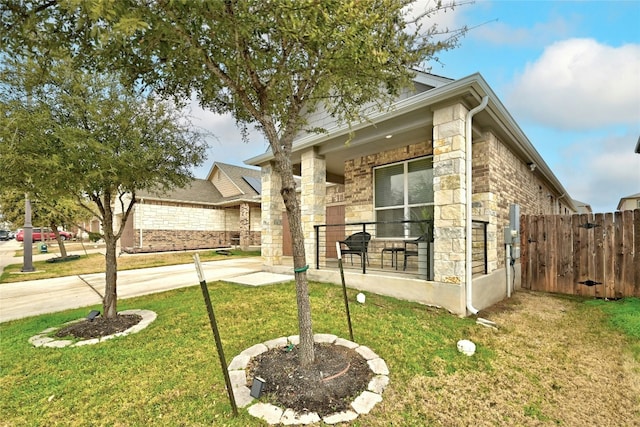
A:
394	256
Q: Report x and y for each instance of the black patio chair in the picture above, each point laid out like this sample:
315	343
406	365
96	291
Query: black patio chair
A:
356	244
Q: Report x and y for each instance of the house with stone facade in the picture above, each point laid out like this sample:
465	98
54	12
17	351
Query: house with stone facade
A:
447	152
220	211
582	207
629	202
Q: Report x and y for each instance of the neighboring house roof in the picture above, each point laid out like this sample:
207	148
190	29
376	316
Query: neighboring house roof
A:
431	80
205	192
197	191
623	199
409	115
243	178
582	207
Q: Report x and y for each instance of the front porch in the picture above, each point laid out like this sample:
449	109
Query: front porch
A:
488	289
410	171
397	273
405	248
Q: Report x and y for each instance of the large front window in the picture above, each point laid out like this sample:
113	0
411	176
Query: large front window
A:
404	191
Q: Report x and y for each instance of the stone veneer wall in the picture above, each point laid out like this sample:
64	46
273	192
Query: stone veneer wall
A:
272	208
173	216
176	240
255	223
500	179
449	194
335	195
312	200
166	226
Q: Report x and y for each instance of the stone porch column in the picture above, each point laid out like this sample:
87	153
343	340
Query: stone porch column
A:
312	203
245	226
449	196
272	208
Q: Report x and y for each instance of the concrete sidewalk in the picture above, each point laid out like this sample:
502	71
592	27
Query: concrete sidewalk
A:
30	298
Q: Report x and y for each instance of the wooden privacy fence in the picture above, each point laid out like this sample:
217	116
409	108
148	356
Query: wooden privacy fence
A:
586	254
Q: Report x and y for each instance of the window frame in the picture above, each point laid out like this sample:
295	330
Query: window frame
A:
406	206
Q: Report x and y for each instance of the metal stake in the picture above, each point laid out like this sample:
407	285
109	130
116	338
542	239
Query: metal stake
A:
344	290
216	334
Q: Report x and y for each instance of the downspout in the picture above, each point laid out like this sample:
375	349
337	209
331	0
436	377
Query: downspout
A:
558	199
468	202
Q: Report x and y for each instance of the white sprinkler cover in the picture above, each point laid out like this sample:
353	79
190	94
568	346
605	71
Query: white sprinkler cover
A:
466	347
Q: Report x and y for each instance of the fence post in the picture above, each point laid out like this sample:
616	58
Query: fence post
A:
317	230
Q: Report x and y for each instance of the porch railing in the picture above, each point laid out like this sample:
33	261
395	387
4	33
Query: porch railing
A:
389	240
480	264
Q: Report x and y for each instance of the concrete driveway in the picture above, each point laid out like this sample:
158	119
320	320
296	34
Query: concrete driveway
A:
29	298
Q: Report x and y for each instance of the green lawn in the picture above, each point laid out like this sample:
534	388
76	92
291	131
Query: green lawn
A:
169	373
95	263
624	315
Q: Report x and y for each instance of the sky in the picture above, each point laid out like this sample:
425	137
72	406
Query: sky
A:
567	71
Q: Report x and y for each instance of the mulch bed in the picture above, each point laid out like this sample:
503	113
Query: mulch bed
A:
336	378
99	327
338	375
63	259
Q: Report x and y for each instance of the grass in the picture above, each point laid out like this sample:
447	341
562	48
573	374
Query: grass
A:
554	360
625	316
95	263
70	246
169	373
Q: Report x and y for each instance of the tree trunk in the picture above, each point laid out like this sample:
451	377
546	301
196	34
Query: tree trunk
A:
305	328
292	205
281	148
63	249
110	302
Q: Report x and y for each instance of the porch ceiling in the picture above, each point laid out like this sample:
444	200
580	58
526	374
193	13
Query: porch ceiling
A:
416	126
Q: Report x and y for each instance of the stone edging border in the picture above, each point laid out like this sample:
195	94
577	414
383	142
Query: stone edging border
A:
44	340
275	415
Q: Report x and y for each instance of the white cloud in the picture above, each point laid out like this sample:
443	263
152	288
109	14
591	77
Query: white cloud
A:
600	171
446	20
224	139
502	34
580	84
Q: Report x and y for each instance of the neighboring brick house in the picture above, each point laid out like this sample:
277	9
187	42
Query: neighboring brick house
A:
582	207
629	202
411	158
220	211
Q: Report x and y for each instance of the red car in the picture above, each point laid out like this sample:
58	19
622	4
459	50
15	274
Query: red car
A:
48	235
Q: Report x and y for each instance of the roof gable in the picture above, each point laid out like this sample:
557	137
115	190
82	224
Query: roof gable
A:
223	183
233	180
624	199
239	184
411	113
